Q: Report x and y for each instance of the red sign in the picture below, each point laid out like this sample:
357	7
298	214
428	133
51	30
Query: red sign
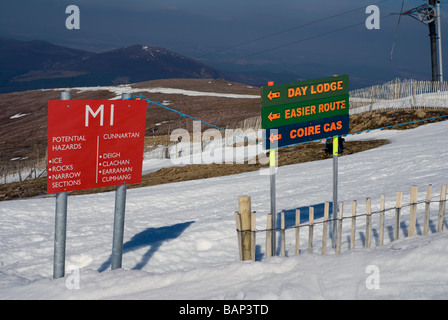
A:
94	143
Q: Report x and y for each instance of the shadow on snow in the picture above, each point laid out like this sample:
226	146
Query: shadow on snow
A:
152	238
290	214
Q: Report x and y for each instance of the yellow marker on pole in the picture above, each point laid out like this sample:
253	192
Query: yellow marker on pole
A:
335	145
335	188
272	157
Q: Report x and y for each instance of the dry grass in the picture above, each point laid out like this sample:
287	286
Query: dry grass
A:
290	155
27	136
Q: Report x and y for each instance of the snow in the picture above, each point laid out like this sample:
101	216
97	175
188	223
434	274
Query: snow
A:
193	93
180	238
119	90
18	115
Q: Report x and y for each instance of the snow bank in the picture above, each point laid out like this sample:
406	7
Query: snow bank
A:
119	90
180	239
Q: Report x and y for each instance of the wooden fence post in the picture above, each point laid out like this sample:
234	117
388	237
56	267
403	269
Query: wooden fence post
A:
247	229
414	90
297	231
427	209
368	223
352	235
269	235
397	215
339	235
442	206
310	229
325	227
245	212
413	211
382	211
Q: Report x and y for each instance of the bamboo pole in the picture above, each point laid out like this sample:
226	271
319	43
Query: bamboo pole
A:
282	245
368	223
297	231
269	236
325	227
382	211
238	234
442	206
339	235
310	229
397	215
253	233
413	211
427	210
352	235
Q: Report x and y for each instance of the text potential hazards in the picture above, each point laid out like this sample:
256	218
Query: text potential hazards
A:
94	143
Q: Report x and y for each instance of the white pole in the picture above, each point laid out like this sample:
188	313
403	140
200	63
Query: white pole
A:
439	32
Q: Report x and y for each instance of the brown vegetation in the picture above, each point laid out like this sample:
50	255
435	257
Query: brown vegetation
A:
25	137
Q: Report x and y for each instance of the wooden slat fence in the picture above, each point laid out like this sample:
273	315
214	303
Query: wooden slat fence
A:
393	95
372	224
399	94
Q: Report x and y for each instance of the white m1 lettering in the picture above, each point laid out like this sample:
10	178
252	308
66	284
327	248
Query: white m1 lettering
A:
100	111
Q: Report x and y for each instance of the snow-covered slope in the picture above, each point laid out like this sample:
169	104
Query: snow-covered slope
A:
180	239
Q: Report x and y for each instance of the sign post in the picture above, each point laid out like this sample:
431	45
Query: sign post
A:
120	206
305	111
92	144
60	222
272	172
335	188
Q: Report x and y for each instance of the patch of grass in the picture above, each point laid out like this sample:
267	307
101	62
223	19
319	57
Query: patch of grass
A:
290	155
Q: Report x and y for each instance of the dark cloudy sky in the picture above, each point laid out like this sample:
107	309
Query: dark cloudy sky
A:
285	36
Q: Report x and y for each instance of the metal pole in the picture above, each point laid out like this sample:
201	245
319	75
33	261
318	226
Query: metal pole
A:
60	227
117	242
335	189
433	40
439	34
120	205
272	167
272	171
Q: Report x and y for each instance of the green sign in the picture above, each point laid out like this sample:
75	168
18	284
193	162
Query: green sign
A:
303	111
282	115
284	94
293	134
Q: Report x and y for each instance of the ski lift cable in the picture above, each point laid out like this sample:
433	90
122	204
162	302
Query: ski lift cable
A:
396	32
284	31
142	97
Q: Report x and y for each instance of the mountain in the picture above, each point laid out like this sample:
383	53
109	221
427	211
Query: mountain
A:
27	65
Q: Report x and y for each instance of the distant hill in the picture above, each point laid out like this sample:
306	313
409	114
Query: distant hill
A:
28	65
